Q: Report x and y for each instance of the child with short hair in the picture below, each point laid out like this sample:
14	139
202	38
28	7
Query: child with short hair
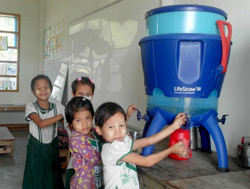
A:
118	159
85	144
84	86
43	167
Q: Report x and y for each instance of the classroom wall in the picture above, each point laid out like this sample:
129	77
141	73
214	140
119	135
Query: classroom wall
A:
66	11
30	59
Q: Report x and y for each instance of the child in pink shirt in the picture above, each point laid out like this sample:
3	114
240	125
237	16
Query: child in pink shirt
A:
84	145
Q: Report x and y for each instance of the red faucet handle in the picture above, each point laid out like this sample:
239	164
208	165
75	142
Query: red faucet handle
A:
226	42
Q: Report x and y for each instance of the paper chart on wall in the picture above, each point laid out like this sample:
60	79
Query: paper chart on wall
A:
54	38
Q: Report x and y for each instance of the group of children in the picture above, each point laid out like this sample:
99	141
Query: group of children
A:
101	153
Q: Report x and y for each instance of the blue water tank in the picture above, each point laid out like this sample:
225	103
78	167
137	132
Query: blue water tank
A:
184	56
197	19
182	72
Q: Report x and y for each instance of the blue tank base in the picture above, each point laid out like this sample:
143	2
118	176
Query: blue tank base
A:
146	128
209	121
158	118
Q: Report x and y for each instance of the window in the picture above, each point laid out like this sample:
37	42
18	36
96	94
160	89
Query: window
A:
9	52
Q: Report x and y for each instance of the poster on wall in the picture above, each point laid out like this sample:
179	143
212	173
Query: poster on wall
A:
53	41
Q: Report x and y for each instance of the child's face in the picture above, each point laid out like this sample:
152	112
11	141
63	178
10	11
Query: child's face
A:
83	90
82	122
114	128
42	89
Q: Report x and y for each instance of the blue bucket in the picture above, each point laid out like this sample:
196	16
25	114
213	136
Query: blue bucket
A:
183	72
196	19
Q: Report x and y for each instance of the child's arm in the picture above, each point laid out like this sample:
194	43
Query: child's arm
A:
148	161
46	122
131	109
177	123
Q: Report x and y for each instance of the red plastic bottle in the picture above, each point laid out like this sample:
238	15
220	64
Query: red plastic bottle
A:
175	137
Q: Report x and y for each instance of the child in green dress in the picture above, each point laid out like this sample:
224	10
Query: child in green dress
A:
43	168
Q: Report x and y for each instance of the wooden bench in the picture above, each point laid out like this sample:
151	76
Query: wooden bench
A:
6	141
14	108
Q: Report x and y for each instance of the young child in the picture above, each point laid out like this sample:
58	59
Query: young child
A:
118	159
84	86
84	145
42	168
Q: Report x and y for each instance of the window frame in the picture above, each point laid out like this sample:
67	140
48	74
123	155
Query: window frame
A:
17	33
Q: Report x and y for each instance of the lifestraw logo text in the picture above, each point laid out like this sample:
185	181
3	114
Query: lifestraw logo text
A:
186	89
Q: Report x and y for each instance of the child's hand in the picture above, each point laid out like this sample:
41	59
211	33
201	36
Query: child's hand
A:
131	109
179	120
179	149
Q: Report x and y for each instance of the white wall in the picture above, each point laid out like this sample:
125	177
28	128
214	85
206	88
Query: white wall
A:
29	53
56	10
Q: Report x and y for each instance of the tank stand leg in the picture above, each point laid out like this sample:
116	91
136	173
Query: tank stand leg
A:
209	121
156	125
147	124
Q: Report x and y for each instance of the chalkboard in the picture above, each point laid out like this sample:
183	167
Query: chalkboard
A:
104	46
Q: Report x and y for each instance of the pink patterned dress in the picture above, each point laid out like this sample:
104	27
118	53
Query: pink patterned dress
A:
84	157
